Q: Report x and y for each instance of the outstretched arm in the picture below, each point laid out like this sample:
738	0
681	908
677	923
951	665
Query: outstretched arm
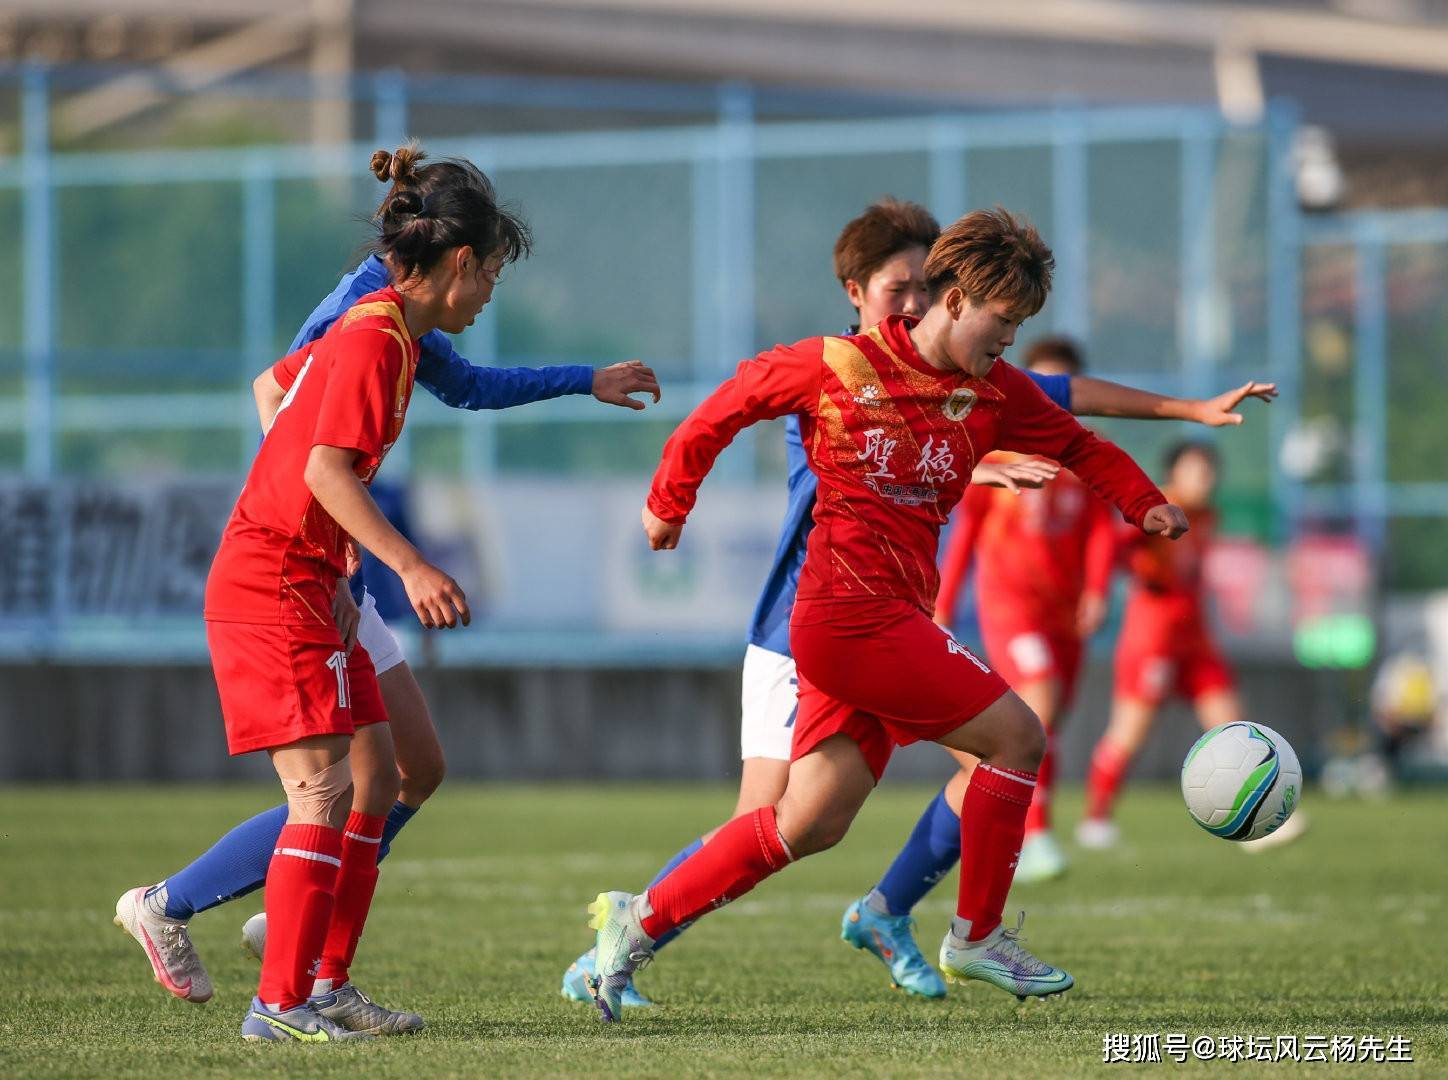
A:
1097	397
1033	424
784	380
463	385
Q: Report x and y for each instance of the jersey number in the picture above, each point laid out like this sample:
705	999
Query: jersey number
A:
338	663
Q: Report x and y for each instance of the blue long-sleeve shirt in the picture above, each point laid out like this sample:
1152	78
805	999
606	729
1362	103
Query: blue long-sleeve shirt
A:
440	370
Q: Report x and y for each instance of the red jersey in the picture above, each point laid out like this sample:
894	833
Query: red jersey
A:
281	553
1167	575
1036	552
892	441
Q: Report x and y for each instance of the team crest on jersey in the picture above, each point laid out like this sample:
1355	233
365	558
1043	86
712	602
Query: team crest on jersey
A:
959	403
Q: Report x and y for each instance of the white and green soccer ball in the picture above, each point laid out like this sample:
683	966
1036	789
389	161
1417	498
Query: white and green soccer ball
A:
1241	781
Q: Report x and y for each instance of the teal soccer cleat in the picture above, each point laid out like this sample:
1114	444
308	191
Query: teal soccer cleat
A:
1001	960
889	938
575	984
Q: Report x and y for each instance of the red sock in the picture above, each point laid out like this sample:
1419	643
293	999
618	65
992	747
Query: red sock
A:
992	825
1038	817
1108	769
300	883
741	855
356	881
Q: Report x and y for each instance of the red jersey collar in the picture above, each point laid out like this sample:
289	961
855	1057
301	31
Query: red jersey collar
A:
896	332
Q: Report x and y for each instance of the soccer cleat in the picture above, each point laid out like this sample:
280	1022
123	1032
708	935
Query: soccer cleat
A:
1001	960
302	1024
575	984
889	938
1041	859
621	949
253	935
350	1008
167	946
1097	834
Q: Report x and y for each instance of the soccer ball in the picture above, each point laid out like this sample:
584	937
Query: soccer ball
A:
1241	781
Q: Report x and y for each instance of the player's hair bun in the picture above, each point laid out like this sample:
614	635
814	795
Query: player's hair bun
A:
399	166
406	203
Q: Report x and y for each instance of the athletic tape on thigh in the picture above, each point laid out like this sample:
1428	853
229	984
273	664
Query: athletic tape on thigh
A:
316	798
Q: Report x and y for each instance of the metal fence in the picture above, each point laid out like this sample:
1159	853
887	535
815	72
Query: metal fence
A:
150	286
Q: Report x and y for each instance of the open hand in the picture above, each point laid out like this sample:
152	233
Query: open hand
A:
1220	410
1015	475
613	385
435	597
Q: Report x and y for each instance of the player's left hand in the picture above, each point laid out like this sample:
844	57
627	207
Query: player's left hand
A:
663	536
1015	475
613	385
346	615
1165	520
1220	411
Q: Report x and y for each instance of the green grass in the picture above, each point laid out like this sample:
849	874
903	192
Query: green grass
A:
482	906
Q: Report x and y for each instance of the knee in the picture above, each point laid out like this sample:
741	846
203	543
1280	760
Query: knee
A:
377	785
420	779
1026	740
810	832
322	798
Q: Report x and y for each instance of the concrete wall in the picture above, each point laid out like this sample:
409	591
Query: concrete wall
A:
96	723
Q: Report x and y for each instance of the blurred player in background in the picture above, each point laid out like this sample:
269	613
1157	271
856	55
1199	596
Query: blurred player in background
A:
893	422
236	865
879	260
1166	648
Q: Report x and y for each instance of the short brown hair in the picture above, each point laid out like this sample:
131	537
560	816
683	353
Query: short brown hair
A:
885	229
992	255
1056	347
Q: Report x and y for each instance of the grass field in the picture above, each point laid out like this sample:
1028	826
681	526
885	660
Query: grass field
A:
481	907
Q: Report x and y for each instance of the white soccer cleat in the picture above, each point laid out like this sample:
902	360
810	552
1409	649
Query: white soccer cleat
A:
1097	834
253	935
167	946
1001	960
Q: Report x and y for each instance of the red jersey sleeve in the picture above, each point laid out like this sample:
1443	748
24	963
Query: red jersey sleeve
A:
959	547
285	370
365	388
784	380
1034	424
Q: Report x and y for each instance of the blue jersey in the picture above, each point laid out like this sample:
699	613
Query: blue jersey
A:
440	370
769	628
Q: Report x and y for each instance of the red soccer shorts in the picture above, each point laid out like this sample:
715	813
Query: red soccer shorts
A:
882	673
1025	654
1157	663
279	684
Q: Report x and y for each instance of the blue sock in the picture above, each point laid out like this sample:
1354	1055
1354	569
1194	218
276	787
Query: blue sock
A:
929	854
237	863
684	853
397	817
234	866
